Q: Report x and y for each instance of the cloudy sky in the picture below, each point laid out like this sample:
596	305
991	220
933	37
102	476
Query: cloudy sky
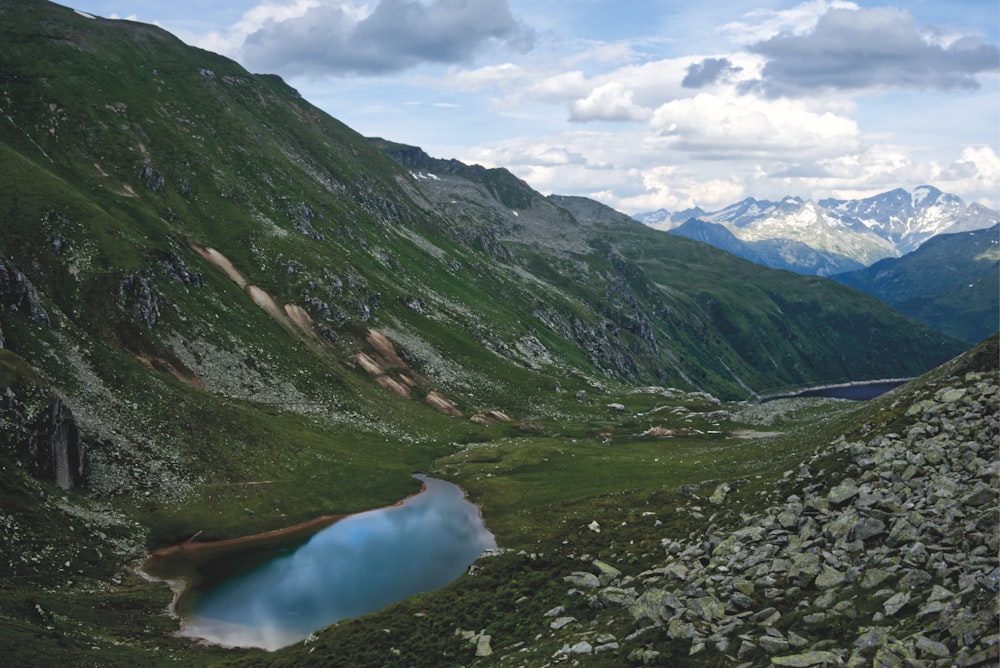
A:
642	104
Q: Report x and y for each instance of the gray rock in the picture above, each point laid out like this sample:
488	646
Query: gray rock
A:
647	606
766	617
896	602
939	593
951	395
874	577
606	572
843	493
483	645
796	641
829	577
807	659
772	645
676	570
867	527
789	517
902	532
561	623
980	495
679	629
805	567
932	648
581	579
707	607
873	638
617	596
741	600
719	495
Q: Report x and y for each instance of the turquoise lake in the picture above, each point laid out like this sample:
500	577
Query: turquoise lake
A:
360	564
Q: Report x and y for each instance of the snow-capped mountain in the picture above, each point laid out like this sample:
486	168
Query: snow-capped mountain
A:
840	232
662	219
909	219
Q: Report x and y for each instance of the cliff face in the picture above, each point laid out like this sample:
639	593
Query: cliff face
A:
55	448
41	434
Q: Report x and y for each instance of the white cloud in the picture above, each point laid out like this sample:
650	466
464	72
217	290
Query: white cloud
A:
230	42
609	102
676	188
558	88
977	170
491	76
336	38
763	24
727	125
869	49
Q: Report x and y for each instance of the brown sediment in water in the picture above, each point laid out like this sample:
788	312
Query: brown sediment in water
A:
192	545
183	560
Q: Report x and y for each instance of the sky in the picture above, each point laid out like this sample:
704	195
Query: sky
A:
642	104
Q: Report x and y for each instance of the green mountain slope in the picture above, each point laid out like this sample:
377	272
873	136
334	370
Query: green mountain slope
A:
239	314
951	283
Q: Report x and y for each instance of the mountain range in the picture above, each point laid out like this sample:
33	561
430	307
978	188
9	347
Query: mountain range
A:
829	236
224	313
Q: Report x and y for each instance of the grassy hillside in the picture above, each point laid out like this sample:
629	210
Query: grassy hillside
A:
250	316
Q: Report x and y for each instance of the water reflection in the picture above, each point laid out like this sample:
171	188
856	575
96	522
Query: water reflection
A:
360	564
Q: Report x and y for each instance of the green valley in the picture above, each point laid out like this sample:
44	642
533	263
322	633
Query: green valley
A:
223	312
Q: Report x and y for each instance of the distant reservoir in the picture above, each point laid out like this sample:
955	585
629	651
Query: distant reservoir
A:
359	564
854	391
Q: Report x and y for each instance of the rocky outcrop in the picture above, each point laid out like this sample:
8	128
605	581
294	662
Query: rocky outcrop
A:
42	435
138	296
54	447
893	563
18	294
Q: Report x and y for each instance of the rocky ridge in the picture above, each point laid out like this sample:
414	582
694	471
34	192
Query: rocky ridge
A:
895	562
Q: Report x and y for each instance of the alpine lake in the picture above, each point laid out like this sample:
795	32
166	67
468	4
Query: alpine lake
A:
272	591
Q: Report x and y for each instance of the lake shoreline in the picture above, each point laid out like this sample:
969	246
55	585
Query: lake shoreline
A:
814	389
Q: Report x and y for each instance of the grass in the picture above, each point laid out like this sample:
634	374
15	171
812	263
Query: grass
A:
121	148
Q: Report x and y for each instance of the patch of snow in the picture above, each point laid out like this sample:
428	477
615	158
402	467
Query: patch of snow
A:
920	194
85	14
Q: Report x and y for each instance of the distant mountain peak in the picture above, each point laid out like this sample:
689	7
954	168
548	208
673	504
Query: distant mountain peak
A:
864	230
